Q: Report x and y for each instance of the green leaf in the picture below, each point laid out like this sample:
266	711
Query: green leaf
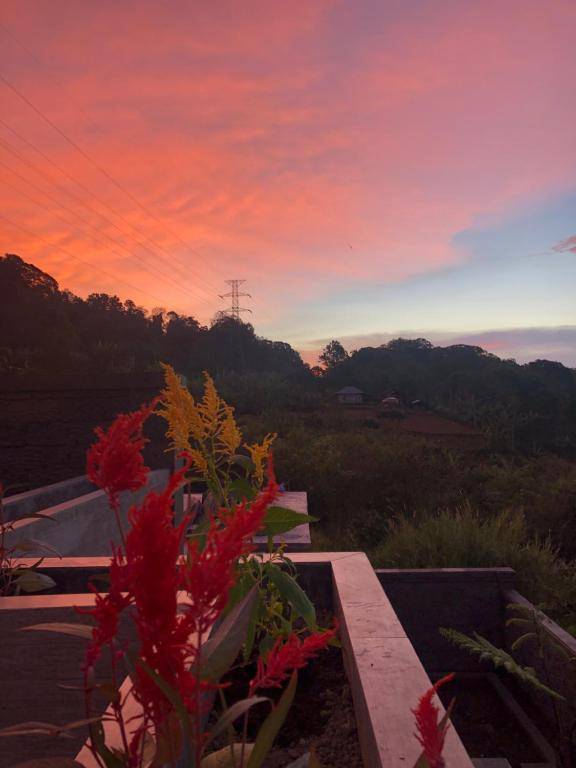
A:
228	757
38	515
35	545
31	581
281	520
293	593
243	461
222	648
76	630
270	727
266	645
47	729
242	489
499	657
233	713
97	739
251	632
172	695
29	728
243	584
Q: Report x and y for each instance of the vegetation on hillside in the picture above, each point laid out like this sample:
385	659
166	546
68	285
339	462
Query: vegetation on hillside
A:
44	328
407	501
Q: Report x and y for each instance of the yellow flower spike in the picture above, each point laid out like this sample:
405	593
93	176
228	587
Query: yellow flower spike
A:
259	454
180	411
198	461
211	406
230	436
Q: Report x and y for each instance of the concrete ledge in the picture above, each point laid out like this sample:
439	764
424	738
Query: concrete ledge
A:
503	576
82	526
27	503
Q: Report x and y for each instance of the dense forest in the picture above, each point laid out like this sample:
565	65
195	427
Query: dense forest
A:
527	407
407	500
44	328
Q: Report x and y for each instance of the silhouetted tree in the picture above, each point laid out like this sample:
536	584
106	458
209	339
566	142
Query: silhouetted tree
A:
333	354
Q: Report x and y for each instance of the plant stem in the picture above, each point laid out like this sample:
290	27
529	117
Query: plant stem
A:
198	712
116	509
244	737
117	705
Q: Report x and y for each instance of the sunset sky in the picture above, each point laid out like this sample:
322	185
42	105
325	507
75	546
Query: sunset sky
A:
371	168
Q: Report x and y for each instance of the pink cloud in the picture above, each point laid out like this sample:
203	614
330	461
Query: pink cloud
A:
296	145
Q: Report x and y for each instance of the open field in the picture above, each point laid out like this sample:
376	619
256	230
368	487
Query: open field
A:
422	423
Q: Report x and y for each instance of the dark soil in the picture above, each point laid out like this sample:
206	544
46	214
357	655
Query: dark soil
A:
321	717
485	724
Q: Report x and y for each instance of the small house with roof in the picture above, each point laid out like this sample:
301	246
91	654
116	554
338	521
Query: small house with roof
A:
350	396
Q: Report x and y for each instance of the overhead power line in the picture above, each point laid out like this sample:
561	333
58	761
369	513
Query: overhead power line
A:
77	258
148	268
43	67
141	242
94	163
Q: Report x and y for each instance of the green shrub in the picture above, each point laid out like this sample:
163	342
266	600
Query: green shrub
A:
462	539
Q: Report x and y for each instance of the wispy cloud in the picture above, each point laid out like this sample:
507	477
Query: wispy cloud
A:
521	344
307	146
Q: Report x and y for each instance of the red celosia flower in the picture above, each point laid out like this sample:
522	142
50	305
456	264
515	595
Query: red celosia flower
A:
115	462
153	547
209	574
149	577
107	610
430	736
106	613
285	657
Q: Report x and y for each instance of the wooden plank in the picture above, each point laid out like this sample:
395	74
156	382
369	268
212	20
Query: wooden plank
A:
386	676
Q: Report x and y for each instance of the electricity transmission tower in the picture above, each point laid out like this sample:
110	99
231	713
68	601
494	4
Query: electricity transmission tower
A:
234	294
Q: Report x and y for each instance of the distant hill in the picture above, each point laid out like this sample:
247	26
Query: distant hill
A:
44	328
528	406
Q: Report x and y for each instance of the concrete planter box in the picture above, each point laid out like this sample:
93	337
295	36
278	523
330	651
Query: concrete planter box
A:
386	677
476	600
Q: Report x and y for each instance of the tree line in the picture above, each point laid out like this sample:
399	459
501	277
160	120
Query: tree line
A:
524	406
46	329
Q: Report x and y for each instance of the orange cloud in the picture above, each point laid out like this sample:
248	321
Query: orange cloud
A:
301	146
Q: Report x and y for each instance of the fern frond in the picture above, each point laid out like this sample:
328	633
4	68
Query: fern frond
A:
520	641
483	648
516	622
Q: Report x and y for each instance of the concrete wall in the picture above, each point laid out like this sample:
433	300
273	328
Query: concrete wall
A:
551	652
27	503
84	526
465	599
47	423
32	667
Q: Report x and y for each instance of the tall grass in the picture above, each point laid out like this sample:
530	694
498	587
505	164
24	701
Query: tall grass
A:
464	539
